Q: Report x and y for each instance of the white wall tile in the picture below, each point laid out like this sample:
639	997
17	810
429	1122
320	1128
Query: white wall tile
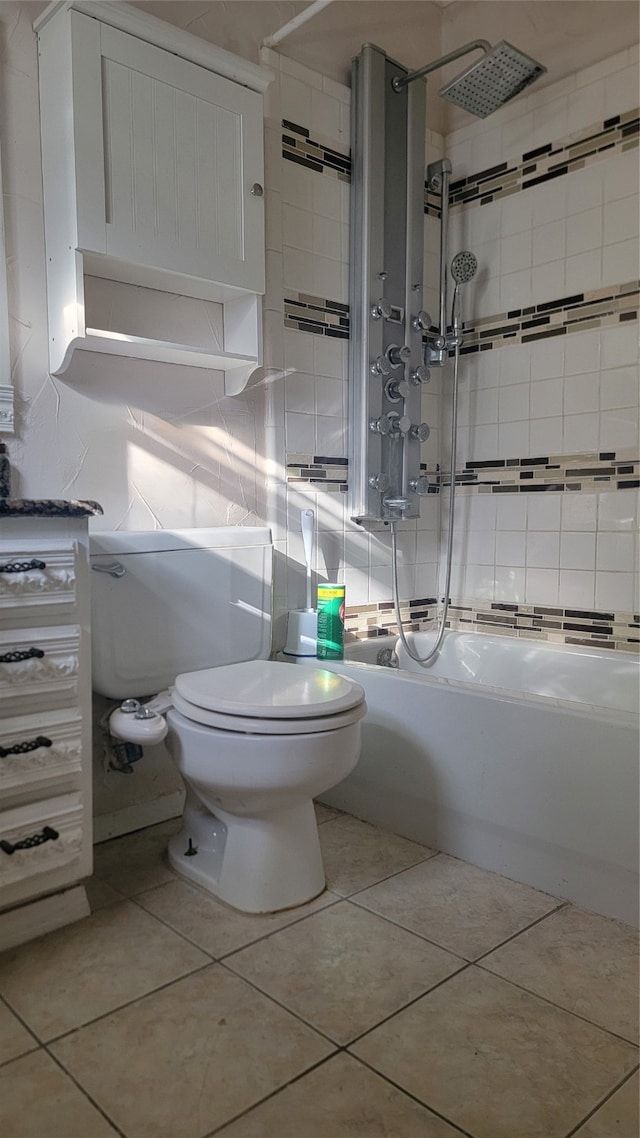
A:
619	388
549	242
543	550
618	511
583	271
513	439
297	228
543	511
298	270
546	398
620	261
616	552
577	589
542	586
513	403
548	281
295	100
510	548
511	511
581	393
581	433
578	551
615	591
584	231
579	512
545	436
618	430
581	352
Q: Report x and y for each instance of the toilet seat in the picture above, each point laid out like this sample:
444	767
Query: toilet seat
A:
265	697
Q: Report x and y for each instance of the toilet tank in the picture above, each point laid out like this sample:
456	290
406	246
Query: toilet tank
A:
187	599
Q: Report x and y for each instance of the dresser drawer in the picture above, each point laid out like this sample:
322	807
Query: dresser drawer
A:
38	839
33	576
38	662
38	751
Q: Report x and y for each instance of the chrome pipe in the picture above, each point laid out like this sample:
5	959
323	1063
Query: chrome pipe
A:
477	45
438	177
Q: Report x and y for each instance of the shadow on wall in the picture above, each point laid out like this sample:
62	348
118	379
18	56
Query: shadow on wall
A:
167	448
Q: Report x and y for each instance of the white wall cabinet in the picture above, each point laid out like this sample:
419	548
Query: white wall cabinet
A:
45	726
152	151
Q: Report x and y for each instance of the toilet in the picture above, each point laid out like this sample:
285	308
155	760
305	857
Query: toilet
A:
184	617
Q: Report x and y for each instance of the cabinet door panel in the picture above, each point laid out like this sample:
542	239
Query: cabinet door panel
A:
182	148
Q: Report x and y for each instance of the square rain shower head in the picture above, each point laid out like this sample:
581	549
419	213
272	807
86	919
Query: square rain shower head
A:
493	80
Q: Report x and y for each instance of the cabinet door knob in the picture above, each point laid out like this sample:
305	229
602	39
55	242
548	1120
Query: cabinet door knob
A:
257	190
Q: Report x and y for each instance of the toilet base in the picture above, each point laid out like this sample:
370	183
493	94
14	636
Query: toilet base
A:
257	865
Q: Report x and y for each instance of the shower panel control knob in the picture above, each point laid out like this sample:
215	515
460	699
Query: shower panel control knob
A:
419	485
398	355
380	366
403	423
379	482
382	426
395	390
421	374
421	322
381	308
420	432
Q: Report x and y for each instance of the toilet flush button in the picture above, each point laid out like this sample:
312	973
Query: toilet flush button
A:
142	727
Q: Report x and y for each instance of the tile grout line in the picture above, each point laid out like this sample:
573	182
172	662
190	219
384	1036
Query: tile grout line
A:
276	1091
603	1102
452	951
404	1091
128	1003
551	1003
85	1093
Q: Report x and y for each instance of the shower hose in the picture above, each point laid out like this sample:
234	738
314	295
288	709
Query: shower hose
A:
431	655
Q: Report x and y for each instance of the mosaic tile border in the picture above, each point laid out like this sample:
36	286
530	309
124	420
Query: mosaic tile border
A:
587	472
299	147
316	314
598	308
534	167
584	627
614	470
318	472
583	312
547	162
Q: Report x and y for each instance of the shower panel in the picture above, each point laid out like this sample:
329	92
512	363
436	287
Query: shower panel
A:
386	368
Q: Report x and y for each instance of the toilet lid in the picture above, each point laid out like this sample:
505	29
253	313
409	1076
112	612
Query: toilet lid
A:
246	724
268	689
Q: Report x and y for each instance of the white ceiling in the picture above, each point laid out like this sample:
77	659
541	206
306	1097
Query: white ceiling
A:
564	35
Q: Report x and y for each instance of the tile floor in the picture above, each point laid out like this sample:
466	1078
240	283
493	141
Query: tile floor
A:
419	997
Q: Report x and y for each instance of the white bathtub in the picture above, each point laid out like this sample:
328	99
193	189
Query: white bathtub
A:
519	756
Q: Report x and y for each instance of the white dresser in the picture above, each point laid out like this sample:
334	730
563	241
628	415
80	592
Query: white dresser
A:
45	725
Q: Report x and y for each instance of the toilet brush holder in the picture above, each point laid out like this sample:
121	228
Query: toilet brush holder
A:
302	631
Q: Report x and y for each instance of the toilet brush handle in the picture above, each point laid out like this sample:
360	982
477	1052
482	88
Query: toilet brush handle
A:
307	520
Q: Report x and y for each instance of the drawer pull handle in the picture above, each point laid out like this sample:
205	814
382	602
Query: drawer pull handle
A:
48	834
17	656
22	566
23	748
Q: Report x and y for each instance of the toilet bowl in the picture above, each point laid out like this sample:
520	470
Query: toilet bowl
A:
254	739
249	833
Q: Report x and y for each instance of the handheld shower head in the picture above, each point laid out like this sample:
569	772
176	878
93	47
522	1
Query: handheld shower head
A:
463	269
